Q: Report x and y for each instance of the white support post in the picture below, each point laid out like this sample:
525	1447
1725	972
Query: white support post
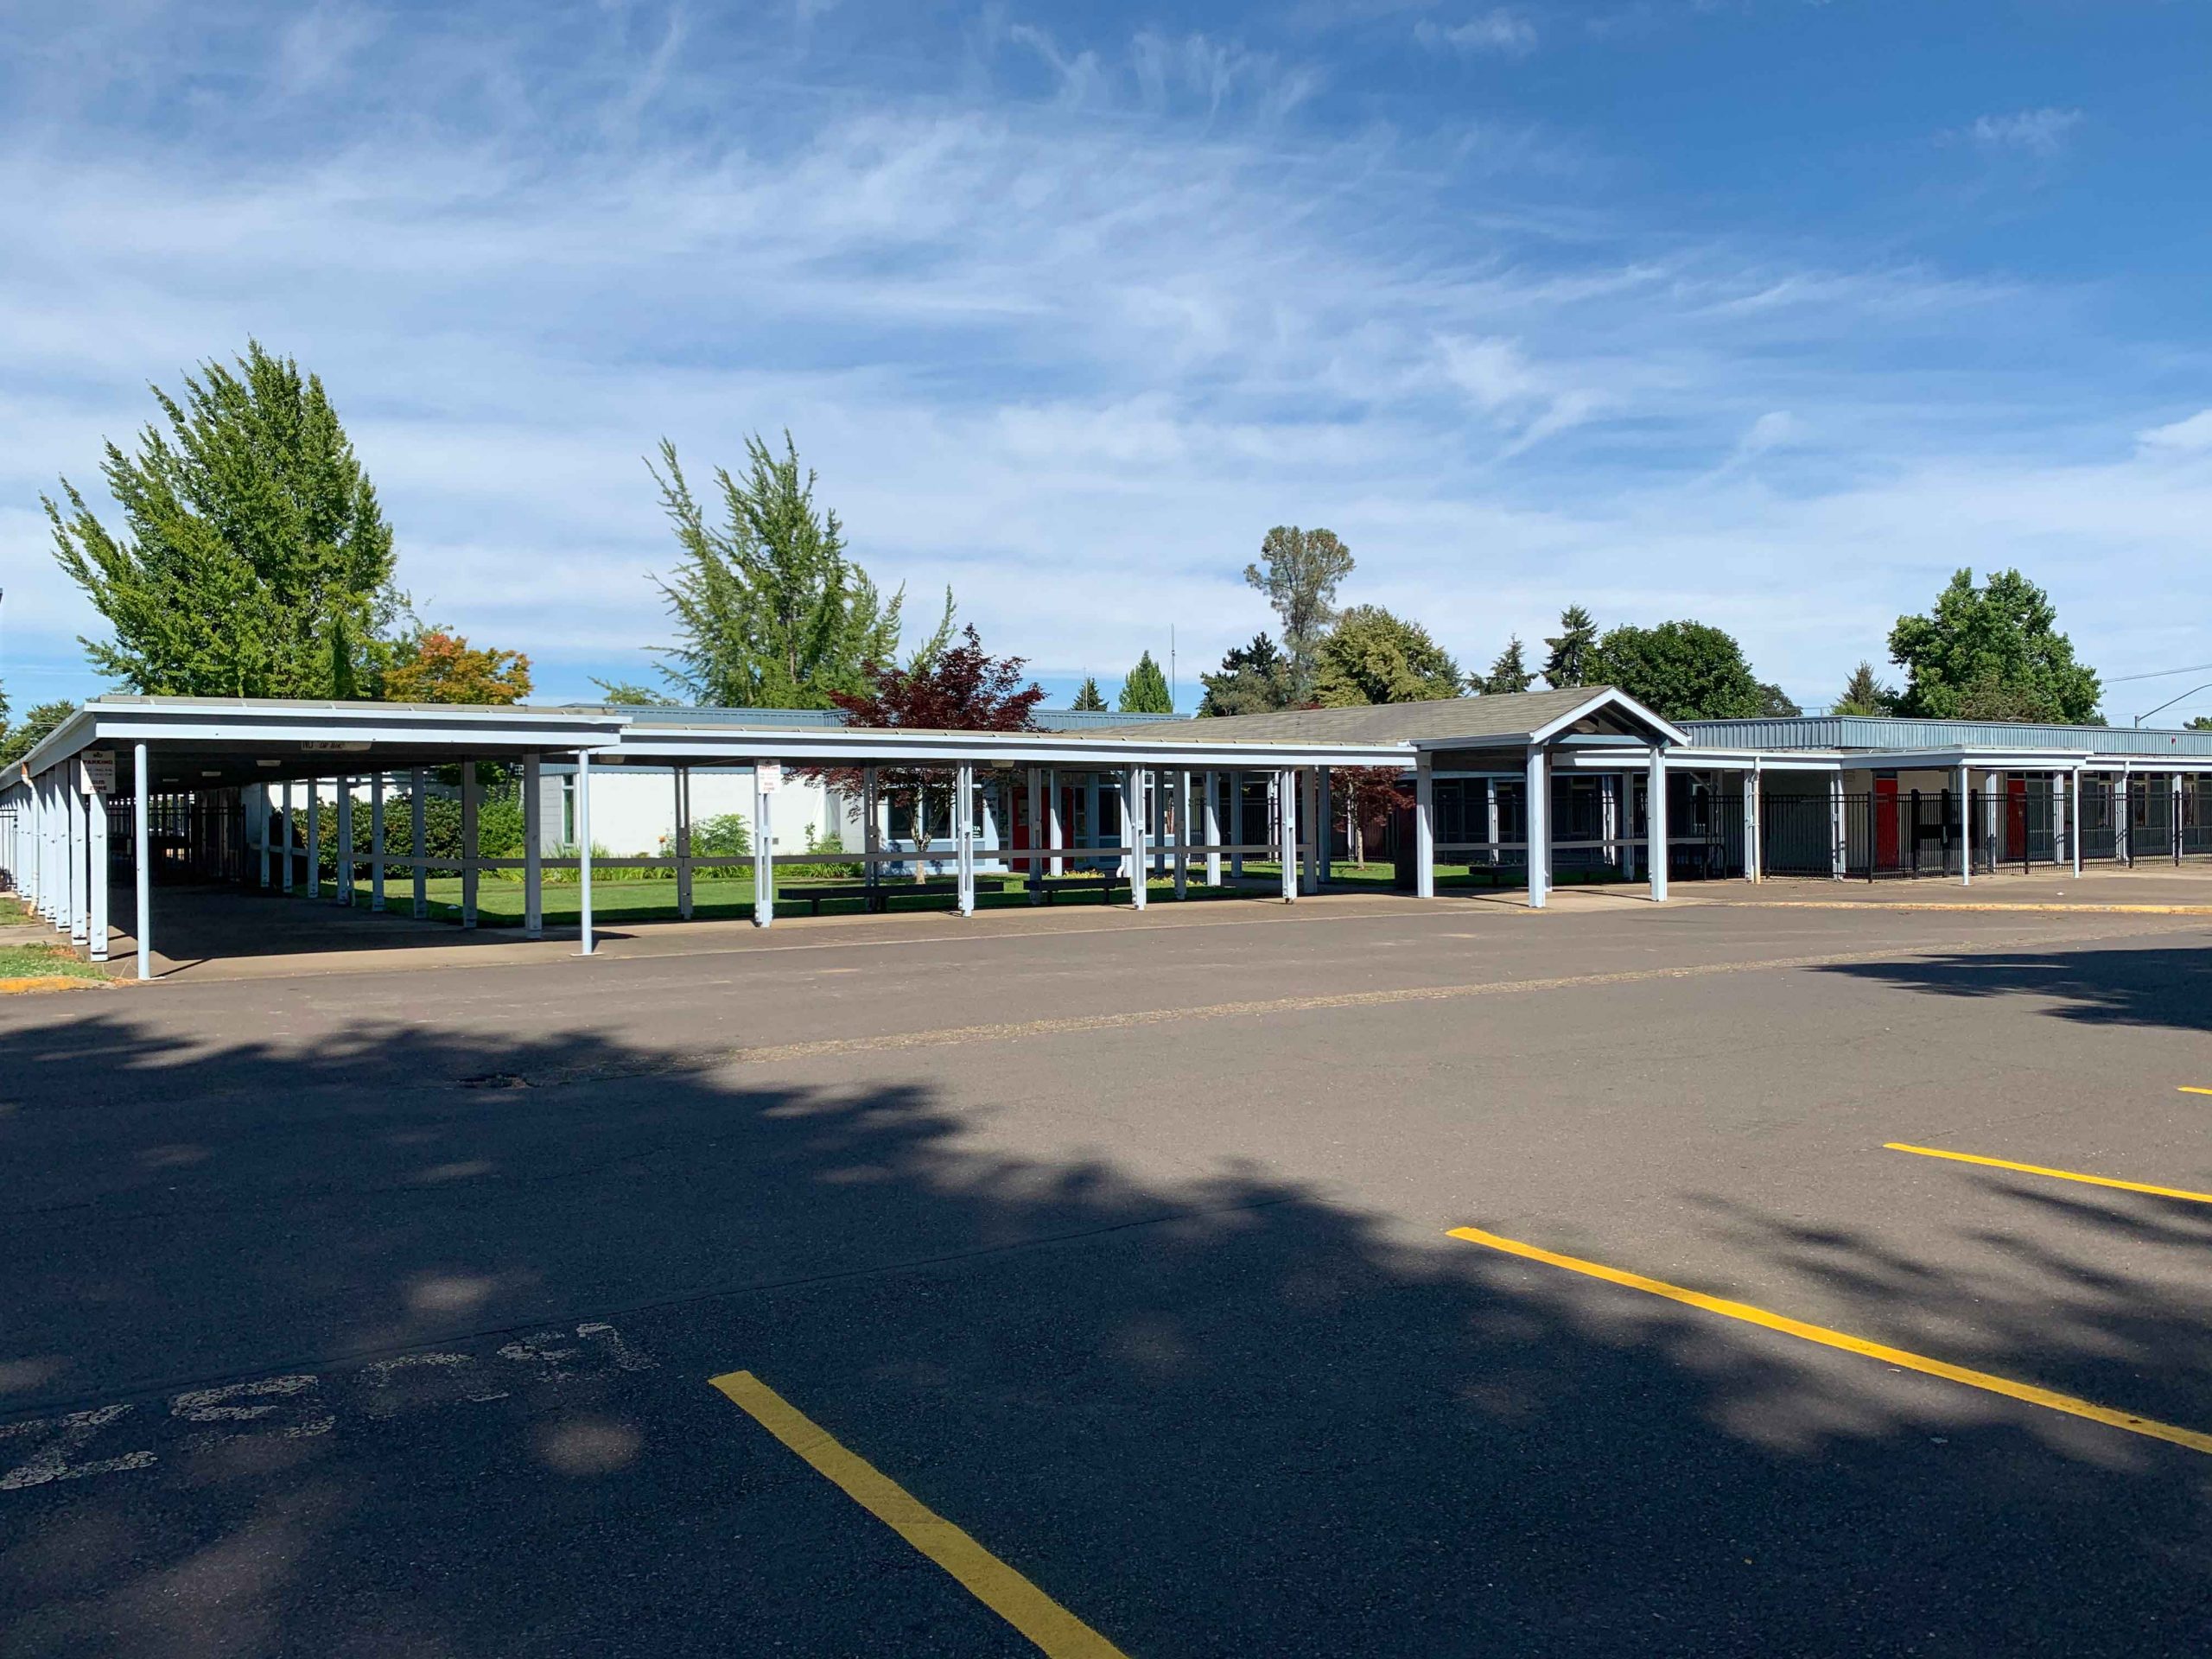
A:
1424	826
142	876
1655	823
681	775
2123	817
1210	827
764	854
97	873
871	831
1324	825
1033	866
1491	823
1056	832
2074	821
1839	834
289	836
469	807
314	838
2173	815
418	839
261	791
963	835
583	848
376	840
1133	829
1237	825
80	839
1286	831
1182	777
346	839
1755	823
533	847
1540	830
1965	832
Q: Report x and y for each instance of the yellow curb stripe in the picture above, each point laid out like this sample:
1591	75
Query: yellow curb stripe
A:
1939	904
1821	1334
2055	1175
1054	1630
2187	1089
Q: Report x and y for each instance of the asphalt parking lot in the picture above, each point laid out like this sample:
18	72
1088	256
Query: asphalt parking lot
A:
1392	1279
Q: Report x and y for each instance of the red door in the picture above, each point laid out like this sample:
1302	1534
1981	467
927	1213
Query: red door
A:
2016	818
1886	823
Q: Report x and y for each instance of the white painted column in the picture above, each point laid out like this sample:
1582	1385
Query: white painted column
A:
680	779
871	829
418	839
1965	832
533	840
1324	825
1286	793
471	804
261	792
314	838
1839	831
2173	815
1182	801
1538	815
763	853
1491	821
80	839
1755	848
2123	817
1056	835
1655	822
142	876
346	839
1133	824
96	873
376	840
1424	826
2074	821
1210	827
963	835
1032	867
289	837
1237	825
583	848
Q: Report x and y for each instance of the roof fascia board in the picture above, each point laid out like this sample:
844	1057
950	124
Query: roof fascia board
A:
1610	698
890	747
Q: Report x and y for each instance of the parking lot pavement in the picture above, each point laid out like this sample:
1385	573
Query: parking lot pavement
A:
342	1325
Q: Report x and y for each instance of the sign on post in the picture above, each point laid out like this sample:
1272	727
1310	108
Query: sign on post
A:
770	774
98	777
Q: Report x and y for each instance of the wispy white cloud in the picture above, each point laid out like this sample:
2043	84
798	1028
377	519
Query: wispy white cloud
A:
2042	132
1499	30
2191	435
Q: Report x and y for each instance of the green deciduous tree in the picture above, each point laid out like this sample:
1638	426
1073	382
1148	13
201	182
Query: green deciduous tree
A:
1253	679
1992	653
1774	704
436	664
1373	656
769	613
1145	691
1567	659
1303	569
1089	699
254	560
1864	694
1509	676
1679	670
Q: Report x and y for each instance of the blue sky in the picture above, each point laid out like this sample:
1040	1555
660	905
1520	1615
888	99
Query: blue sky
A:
1762	312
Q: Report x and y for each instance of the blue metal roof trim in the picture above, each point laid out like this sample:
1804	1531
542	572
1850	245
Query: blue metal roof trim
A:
1887	732
786	720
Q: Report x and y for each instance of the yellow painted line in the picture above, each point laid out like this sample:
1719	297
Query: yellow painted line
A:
1827	1338
2055	1175
983	1575
2187	1089
1939	904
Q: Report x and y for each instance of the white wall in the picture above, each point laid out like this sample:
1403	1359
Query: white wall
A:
633	810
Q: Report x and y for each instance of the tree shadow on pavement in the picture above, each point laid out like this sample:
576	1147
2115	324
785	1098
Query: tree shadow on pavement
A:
1222	1415
2138	986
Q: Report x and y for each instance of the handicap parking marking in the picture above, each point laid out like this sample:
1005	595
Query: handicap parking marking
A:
124	1436
2051	1400
1056	1631
2181	1192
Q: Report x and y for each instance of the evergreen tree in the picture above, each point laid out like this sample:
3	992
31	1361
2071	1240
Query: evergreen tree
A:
255	561
1567	660
1253	679
1303	570
1372	656
770	611
1992	653
1507	676
1089	700
1864	694
1145	691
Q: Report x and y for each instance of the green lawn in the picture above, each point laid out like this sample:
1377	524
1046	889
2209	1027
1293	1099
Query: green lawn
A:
46	962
